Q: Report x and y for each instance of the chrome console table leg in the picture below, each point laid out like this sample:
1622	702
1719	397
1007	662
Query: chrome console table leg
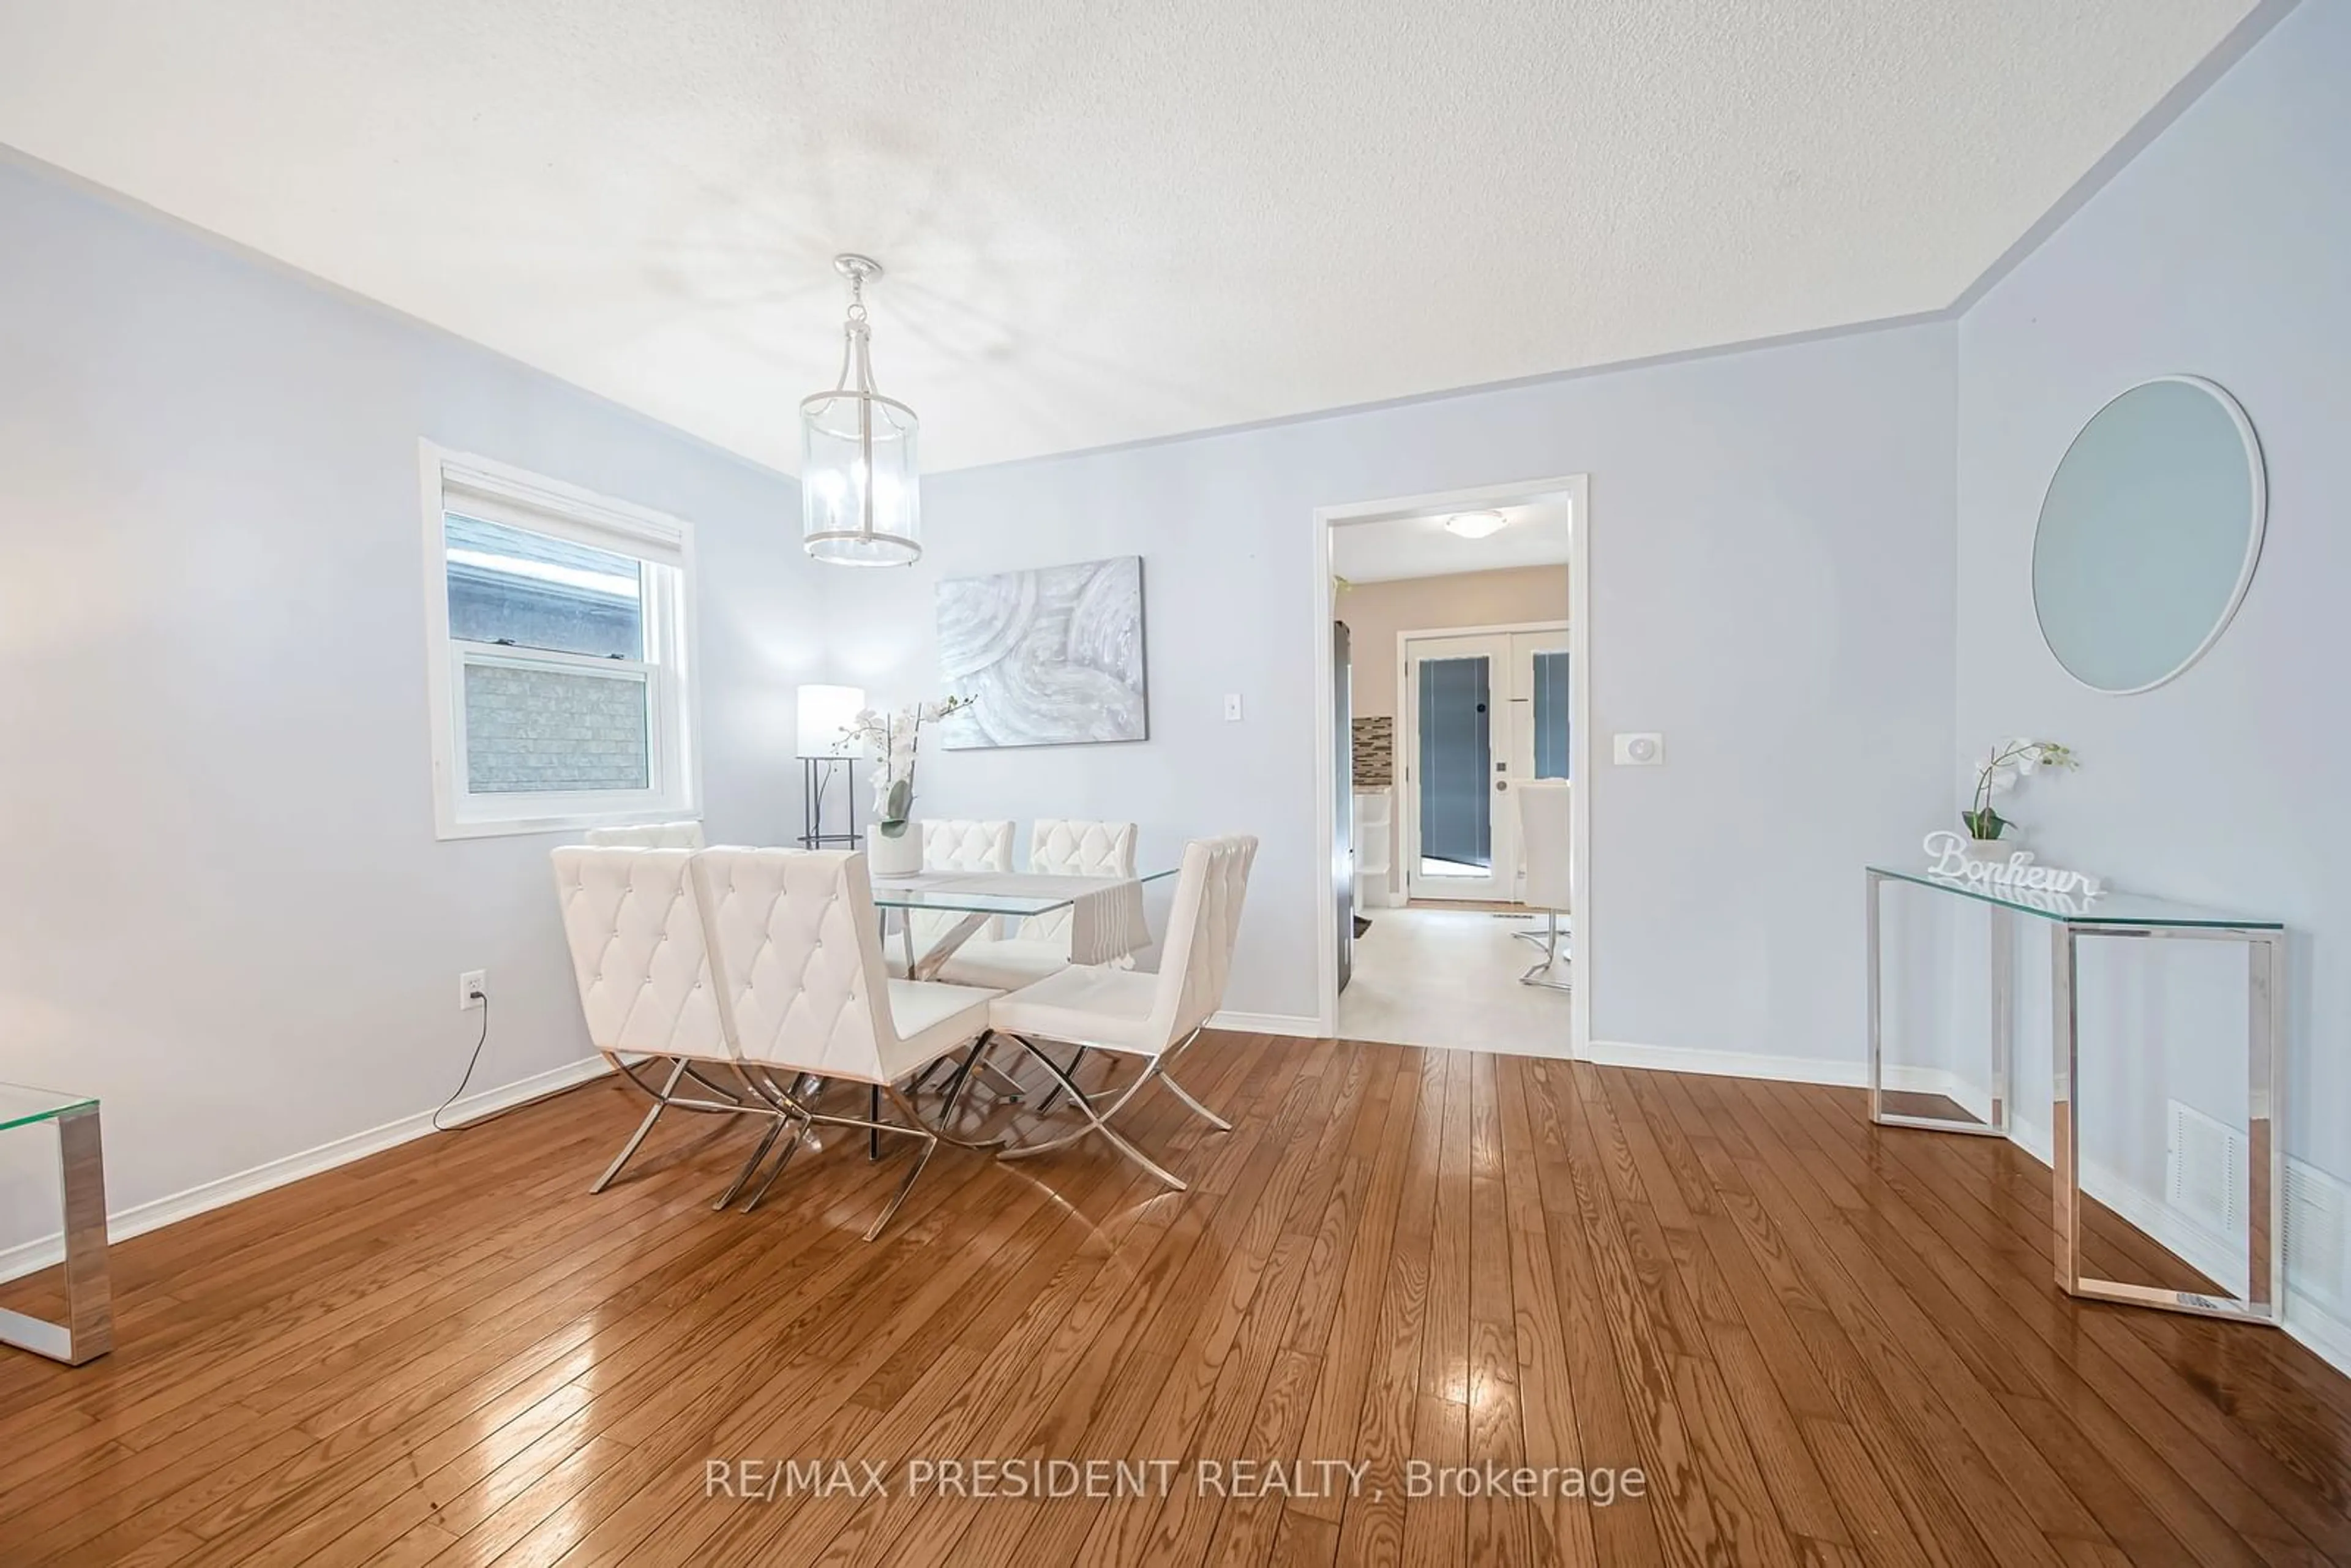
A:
89	1329
2003	1026
2264	1083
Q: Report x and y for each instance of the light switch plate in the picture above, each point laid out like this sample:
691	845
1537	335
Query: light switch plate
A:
1643	749
1232	708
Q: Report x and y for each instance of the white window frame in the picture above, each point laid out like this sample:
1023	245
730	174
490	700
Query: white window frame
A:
501	493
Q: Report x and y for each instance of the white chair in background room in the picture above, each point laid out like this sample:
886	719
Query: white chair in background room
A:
1544	845
1057	846
639	955
802	994
649	836
1151	1017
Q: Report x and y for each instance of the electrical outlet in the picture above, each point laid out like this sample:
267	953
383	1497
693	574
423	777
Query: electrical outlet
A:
473	989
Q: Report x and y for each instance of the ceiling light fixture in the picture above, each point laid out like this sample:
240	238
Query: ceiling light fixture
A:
859	485
1477	525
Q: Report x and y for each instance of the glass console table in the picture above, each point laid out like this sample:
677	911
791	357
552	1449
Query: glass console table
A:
2071	917
89	1329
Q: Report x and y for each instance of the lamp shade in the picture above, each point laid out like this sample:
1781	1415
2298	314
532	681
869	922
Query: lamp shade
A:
824	713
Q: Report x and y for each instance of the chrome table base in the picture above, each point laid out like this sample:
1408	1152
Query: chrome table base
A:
2003	1031
2264	1299
89	1329
2265	948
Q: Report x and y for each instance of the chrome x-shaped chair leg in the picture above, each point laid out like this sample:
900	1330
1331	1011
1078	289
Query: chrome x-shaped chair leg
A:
790	1110
661	1103
757	1155
663	1099
1055	1093
1218	1123
1550	939
724	1093
1098	1117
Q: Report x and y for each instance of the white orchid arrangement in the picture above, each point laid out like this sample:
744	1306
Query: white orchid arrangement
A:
893	740
2008	762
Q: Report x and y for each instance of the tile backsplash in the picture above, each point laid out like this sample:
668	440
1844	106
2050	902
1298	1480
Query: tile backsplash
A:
1374	753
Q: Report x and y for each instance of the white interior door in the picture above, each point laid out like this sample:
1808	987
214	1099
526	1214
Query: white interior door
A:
1458	831
1538	716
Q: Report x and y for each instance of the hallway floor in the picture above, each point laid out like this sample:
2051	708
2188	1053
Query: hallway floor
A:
1450	976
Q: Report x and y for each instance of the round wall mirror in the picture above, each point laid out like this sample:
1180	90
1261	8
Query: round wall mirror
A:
2149	535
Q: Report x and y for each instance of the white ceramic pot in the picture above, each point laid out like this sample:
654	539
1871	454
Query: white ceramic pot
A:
900	856
1994	851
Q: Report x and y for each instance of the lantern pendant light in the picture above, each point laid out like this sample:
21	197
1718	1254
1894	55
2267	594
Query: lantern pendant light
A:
859	502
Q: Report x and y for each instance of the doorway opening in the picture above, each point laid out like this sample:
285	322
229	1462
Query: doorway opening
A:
1454	673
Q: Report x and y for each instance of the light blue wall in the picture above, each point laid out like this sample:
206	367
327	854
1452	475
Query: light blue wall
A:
2222	250
228	896
227	913
1772	550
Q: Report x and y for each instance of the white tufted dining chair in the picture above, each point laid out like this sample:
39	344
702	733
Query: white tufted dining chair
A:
1544	839
1057	846
684	835
1070	846
640	957
1154	1017
802	991
952	844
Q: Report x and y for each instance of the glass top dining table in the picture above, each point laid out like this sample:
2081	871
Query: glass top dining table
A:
978	897
990	892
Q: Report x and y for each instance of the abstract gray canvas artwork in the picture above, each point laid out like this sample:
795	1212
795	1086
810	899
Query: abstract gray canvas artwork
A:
1050	657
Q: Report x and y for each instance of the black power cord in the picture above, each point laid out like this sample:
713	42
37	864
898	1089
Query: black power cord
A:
470	1065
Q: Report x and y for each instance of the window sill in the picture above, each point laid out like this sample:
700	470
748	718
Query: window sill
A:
561	822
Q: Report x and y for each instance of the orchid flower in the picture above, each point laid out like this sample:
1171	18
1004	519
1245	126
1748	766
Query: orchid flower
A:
893	739
2009	761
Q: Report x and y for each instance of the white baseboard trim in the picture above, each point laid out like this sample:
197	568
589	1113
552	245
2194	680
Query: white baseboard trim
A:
2319	1332
1295	1024
1726	1063
2325	1335
124	1223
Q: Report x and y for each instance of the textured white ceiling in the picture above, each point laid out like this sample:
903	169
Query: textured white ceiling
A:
1104	219
1385	548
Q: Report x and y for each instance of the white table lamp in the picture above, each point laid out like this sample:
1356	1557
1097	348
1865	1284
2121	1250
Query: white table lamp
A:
824	713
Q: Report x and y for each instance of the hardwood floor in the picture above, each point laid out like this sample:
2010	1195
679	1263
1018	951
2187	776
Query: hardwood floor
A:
1819	1342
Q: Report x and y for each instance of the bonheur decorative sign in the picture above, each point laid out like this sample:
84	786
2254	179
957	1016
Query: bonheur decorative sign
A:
2018	872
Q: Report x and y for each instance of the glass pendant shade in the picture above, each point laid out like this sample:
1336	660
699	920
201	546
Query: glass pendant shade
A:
860	485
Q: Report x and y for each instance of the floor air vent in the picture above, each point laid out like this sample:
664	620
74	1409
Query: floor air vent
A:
2204	1183
2204	1171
